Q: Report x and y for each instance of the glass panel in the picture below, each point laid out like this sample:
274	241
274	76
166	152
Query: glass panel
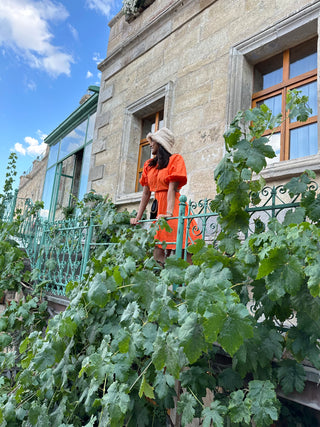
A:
268	73
47	192
274	103
148	125
90	130
274	141
145	154
53	154
303	141
140	188
73	141
310	90
303	58
85	171
65	186
161	119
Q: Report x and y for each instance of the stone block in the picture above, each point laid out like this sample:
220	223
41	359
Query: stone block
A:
96	173
102	119
106	94
98	146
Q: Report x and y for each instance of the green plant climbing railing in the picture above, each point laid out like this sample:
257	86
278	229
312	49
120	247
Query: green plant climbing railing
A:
59	250
8	206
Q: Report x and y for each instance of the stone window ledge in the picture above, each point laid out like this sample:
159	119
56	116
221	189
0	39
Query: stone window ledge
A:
289	168
128	198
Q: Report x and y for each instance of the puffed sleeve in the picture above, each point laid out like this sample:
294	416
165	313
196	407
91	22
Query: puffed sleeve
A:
177	171
144	177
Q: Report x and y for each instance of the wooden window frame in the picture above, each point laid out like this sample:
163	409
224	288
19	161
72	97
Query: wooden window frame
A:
144	142
282	88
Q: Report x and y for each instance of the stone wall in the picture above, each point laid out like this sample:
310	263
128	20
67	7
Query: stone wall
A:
31	184
194	46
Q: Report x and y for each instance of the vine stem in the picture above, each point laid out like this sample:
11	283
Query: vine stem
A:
125	286
202	405
237	284
142	373
104	391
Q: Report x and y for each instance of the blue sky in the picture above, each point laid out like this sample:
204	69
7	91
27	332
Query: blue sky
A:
49	51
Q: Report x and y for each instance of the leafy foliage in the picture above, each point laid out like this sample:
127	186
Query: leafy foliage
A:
135	333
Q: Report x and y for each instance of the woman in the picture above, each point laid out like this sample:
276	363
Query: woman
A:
164	174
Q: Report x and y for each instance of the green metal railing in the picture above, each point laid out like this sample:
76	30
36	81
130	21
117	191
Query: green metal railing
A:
8	206
60	250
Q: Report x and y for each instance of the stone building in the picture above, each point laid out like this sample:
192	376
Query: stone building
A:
191	66
31	182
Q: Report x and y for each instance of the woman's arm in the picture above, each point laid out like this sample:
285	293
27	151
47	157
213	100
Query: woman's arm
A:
171	197
143	204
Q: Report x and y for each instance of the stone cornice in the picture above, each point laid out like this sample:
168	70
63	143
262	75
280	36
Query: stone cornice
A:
157	29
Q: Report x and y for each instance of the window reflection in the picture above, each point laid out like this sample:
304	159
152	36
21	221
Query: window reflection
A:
85	171
268	73
145	154
303	58
73	141
47	191
309	90
303	141
274	141
274	103
90	130
53	154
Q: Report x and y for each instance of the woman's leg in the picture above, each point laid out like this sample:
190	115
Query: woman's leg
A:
159	255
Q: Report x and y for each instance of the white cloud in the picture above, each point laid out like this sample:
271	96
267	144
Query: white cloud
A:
24	27
19	148
35	148
42	135
32	146
31	85
89	74
101	6
31	141
97	58
74	32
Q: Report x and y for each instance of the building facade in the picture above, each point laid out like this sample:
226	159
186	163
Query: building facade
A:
191	66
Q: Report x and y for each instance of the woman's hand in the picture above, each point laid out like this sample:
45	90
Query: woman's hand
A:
167	215
146	193
134	221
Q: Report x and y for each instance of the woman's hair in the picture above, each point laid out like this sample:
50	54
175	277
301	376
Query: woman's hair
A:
161	159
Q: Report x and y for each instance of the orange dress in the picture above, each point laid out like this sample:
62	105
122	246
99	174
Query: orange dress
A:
158	181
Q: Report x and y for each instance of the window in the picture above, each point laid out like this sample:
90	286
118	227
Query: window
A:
149	124
147	114
294	68
68	169
246	60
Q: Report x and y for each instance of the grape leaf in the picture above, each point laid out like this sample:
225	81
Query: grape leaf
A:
230	380
146	389
291	376
186	406
192	339
239	408
214	415
264	403
237	327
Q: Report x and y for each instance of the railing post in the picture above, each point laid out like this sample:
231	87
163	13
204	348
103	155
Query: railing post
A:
273	194
86	251
13	205
38	248
182	209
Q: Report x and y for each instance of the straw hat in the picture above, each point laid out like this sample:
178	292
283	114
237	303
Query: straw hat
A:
164	137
